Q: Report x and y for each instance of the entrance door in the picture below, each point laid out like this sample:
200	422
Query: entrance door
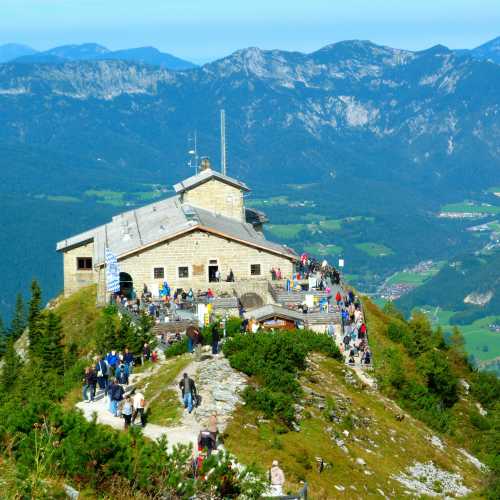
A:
213	267
126	285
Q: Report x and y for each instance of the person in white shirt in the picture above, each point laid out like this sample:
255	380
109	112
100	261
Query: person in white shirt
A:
139	407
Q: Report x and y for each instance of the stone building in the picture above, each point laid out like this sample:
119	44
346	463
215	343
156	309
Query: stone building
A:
187	240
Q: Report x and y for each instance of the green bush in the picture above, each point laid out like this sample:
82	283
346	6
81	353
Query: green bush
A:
274	359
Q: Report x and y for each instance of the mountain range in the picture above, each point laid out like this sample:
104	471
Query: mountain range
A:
91	52
361	129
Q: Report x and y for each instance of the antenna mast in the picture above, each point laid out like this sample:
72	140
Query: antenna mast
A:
193	154
223	151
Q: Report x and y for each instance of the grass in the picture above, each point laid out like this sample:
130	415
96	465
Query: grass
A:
366	416
79	314
323	250
269	202
331	224
147	195
164	405
471	207
374	249
412	278
286	231
106	196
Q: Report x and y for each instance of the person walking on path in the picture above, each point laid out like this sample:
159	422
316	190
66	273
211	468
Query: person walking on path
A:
127	412
191	333
89	383
146	353
115	396
139	407
101	369
215	338
277	479
128	360
212	427
188	391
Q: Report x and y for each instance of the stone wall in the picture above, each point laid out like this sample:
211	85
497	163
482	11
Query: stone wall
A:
195	250
217	197
75	279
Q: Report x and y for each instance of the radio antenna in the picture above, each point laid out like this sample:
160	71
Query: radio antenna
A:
223	150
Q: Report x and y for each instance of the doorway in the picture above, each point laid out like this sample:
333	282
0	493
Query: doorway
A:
213	268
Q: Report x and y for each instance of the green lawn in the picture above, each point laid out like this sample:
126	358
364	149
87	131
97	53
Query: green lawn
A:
323	250
269	202
115	198
374	249
471	207
412	278
286	231
147	195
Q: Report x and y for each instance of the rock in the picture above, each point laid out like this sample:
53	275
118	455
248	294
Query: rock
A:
360	461
345	433
473	460
481	410
339	487
368	472
295	427
436	442
429	480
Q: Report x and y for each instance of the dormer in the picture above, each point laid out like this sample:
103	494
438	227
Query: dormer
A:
215	192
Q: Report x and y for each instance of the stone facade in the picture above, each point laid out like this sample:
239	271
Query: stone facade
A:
217	197
195	251
74	279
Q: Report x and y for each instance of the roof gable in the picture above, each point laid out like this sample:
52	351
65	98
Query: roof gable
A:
205	176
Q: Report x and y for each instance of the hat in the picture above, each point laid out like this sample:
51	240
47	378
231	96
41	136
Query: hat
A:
275	463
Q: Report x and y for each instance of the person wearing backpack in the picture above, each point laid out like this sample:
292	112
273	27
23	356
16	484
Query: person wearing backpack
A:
139	407
127	411
215	338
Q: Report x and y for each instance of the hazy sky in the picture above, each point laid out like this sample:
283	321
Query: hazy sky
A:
202	30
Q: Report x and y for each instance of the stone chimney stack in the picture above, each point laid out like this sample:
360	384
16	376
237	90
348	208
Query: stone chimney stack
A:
205	164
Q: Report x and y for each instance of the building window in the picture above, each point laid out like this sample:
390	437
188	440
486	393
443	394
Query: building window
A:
159	273
183	272
84	263
255	269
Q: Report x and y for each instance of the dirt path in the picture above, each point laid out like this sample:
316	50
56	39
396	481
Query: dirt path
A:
217	383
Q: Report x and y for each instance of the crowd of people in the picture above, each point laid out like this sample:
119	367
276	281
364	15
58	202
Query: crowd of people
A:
355	341
110	373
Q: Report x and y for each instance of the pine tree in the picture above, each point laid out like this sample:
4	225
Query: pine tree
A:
3	338
35	320
11	367
106	331
18	323
52	351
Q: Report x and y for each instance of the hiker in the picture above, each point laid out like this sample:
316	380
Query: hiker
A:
146	352
139	407
347	341
128	359
230	276
101	369
89	383
212	427
121	374
338	298
205	442
127	412
115	396
188	391
367	357
215	338
154	356
191	334
277	479
112	360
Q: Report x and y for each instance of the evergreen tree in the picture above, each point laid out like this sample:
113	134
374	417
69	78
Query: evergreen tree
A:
3	338
18	323
11	367
126	334
106	330
52	351
35	320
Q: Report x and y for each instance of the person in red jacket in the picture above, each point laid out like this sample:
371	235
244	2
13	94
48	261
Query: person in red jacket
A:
338	298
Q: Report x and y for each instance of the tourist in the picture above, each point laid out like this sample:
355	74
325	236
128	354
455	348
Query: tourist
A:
205	442
128	360
89	384
367	356
146	353
101	370
215	338
154	356
116	393
217	276
188	389
127	411
139	407
121	374
277	479
230	276
212	427
191	333
347	341
112	360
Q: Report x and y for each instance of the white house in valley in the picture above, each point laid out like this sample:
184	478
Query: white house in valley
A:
188	240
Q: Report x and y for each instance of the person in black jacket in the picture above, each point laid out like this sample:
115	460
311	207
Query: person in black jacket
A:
116	392
215	338
188	389
89	383
101	369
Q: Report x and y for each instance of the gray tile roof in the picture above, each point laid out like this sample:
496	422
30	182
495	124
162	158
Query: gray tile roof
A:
159	221
269	311
206	175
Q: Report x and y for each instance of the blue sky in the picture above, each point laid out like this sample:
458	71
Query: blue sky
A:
203	30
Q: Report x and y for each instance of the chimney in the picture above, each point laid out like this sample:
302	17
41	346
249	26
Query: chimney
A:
205	164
